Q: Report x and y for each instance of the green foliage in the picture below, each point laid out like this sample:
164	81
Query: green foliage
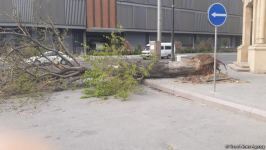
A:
110	86
137	50
30	51
117	45
111	73
23	84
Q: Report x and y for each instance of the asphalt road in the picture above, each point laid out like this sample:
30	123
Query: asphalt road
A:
148	121
227	58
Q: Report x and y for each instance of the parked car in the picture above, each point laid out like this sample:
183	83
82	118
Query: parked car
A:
166	51
52	56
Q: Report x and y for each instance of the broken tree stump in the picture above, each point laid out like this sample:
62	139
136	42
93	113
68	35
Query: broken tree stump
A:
199	65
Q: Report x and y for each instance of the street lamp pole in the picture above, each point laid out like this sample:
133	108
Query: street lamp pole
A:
159	29
173	30
159	20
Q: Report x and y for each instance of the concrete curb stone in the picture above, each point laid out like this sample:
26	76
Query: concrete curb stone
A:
223	104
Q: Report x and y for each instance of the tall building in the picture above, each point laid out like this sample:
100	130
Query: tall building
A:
88	20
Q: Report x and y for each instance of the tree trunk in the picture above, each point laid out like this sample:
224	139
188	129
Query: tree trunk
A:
168	69
199	65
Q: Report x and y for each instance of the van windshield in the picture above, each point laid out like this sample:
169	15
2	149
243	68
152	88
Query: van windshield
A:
147	48
168	47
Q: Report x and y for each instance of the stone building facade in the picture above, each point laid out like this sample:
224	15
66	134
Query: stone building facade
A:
252	52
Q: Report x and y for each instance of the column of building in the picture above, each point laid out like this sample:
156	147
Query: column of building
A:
257	52
261	33
247	19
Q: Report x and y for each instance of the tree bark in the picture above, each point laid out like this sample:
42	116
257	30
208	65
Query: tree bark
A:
198	65
168	69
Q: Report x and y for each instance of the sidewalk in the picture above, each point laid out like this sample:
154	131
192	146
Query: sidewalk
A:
248	97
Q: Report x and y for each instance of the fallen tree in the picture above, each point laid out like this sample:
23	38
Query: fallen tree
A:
27	66
35	59
202	64
14	54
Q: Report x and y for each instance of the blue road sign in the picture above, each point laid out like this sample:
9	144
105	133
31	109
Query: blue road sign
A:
217	14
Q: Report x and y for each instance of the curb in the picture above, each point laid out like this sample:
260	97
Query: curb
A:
238	108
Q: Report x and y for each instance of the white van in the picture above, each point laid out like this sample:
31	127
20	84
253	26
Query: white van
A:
166	50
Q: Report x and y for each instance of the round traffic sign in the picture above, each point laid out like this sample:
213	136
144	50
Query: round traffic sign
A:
217	14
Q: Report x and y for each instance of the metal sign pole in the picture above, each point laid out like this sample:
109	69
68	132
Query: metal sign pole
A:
215	60
217	16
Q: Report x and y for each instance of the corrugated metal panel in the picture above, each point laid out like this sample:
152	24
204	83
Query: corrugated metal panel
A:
52	9
125	16
234	24
167	19
190	15
201	5
23	9
187	4
5	8
237	8
233	6
167	3
151	18
66	13
75	12
139	22
201	23
184	21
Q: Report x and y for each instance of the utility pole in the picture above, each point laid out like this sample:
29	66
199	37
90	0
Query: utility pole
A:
159	29
173	30
159	20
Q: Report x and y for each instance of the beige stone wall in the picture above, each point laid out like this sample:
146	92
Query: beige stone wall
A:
242	55
257	57
253	48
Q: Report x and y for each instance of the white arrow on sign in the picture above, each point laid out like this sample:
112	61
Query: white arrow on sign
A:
218	15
